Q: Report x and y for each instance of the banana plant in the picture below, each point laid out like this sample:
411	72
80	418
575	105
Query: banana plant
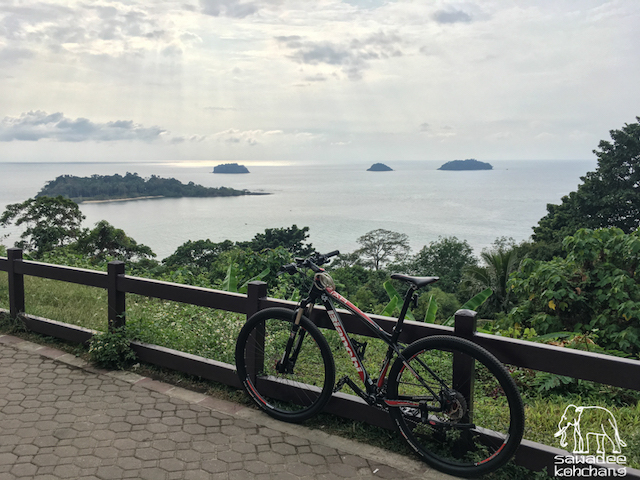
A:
471	304
395	302
432	308
230	282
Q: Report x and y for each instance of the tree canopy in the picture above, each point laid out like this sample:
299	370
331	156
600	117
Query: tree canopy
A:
106	242
445	258
609	196
291	238
197	255
379	247
50	222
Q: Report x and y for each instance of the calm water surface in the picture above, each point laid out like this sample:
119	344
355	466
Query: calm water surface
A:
338	202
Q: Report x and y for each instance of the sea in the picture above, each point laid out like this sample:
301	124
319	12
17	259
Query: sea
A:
338	202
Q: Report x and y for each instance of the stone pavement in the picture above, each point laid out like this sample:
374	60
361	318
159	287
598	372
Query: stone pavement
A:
62	419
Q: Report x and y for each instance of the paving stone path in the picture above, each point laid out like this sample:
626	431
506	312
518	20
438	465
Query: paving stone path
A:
62	419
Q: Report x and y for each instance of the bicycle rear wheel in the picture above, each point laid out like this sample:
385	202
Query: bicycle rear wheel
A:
299	387
462	423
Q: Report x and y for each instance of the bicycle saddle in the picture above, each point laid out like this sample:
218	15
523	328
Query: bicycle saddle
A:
419	282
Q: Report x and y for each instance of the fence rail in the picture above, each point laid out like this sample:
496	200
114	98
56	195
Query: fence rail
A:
620	372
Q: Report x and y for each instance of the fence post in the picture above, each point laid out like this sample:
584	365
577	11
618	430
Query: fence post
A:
256	290
16	283
463	365
255	345
116	299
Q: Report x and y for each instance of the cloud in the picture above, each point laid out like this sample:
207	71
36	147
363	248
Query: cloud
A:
191	138
452	16
368	4
38	125
228	8
318	77
252	138
90	29
353	56
234	136
441	132
14	55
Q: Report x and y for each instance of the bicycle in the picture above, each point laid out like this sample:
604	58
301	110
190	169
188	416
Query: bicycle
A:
463	425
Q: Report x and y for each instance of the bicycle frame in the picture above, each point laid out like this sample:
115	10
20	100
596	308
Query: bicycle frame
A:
374	394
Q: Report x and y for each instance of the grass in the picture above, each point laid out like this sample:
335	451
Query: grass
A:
211	333
74	304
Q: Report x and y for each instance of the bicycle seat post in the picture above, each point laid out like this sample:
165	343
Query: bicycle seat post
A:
403	312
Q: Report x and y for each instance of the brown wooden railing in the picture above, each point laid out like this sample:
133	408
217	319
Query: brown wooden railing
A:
605	369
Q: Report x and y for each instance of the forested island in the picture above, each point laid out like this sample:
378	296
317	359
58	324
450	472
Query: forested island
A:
230	168
468	164
131	186
379	167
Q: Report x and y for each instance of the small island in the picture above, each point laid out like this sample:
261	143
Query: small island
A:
230	168
468	164
130	187
379	167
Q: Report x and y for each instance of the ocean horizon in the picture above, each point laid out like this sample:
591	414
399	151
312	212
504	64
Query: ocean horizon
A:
338	202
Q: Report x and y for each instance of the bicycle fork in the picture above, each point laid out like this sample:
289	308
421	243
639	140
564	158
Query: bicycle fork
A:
293	346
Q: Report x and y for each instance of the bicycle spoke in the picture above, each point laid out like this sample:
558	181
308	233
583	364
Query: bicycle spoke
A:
462	435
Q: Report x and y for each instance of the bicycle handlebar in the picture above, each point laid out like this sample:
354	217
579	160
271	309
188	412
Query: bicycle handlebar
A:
313	262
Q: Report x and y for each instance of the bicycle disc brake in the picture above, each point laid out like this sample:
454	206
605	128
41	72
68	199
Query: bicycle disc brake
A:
454	407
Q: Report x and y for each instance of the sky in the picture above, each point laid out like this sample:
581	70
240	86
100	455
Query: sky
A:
281	81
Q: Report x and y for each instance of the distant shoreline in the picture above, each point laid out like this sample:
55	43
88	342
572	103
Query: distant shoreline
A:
107	200
121	199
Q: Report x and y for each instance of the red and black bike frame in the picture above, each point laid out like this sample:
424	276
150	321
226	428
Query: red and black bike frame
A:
327	295
323	289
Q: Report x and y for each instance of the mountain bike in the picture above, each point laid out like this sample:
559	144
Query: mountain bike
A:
464	424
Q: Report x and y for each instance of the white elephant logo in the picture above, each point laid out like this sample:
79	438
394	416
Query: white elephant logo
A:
588	422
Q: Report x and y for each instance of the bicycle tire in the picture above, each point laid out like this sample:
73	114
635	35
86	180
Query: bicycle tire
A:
480	432
292	396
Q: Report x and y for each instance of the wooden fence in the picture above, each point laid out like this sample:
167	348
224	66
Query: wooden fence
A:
605	369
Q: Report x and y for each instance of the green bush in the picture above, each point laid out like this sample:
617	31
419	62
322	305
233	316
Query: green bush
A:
595	289
112	349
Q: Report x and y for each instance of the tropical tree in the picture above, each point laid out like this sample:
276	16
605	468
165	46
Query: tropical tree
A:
380	247
290	238
197	255
497	264
609	196
50	222
106	242
445	258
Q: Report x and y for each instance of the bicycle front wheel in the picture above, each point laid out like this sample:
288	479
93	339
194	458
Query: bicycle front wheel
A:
456	405
287	369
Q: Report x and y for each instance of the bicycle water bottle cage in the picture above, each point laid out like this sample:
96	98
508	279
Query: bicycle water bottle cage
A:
418	282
